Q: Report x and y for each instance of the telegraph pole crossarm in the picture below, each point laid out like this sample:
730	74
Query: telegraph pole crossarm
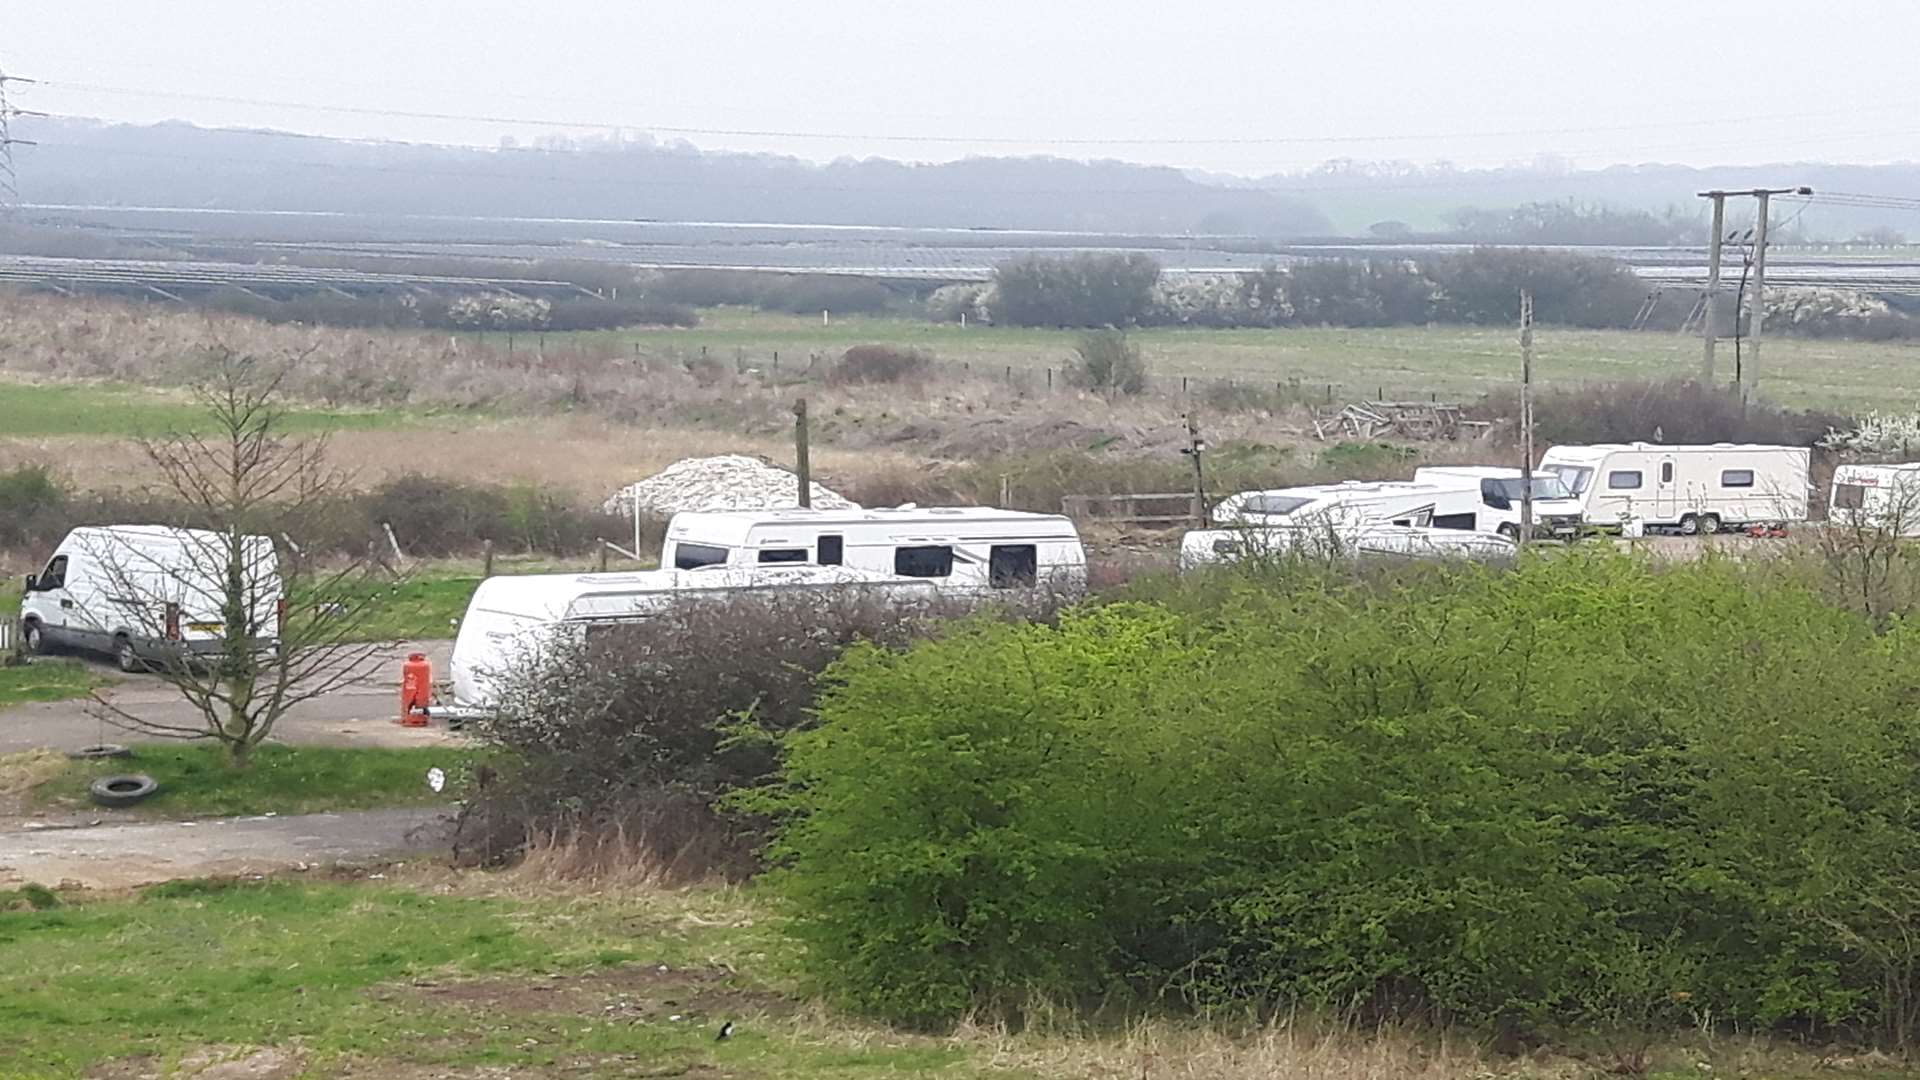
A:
1710	321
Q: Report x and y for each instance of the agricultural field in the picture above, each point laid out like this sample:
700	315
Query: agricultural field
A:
1406	362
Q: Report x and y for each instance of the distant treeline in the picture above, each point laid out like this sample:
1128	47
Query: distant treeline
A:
1477	287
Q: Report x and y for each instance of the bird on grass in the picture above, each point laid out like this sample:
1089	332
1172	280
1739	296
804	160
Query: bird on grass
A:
726	1032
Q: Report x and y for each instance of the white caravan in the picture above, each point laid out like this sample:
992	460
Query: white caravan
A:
1692	489
510	618
1556	513
1877	497
149	593
1207	547
964	549
1350	503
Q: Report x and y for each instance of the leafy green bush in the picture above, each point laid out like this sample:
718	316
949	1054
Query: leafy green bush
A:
863	364
1587	791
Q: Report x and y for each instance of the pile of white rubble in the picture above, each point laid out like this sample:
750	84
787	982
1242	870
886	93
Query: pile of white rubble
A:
725	482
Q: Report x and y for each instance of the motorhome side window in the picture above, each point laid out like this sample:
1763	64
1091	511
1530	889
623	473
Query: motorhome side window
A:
830	551
1736	478
695	556
1013	566
1624	480
1849	496
934	560
55	575
783	555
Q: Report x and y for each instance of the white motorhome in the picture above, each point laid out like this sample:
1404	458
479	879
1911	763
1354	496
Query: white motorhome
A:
511	617
1207	547
967	549
147	594
1349	503
1556	513
1877	496
1691	489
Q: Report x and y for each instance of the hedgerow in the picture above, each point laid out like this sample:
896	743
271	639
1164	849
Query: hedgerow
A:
1583	793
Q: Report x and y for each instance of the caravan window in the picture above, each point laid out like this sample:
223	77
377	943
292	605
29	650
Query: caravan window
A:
831	550
1013	566
695	556
934	560
1736	478
1849	496
1276	505
1624	480
1666	472
783	555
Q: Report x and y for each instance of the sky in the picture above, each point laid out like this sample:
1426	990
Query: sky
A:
1251	88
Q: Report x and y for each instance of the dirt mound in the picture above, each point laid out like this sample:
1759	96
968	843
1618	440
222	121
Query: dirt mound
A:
723	482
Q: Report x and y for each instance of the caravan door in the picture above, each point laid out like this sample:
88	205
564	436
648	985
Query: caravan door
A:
1666	491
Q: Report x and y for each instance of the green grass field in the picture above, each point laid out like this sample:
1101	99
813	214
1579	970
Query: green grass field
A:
1406	362
46	681
44	409
373	979
195	780
430	973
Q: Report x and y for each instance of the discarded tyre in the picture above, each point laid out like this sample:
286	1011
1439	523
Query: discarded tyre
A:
124	790
99	752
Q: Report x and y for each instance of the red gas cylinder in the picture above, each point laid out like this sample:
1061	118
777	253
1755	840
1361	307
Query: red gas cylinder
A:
416	690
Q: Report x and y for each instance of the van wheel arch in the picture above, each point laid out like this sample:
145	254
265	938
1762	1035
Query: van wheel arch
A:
33	636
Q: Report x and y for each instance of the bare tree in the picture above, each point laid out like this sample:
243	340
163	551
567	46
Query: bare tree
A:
231	613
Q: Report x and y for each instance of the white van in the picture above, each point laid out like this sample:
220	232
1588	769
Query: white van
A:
148	594
1499	490
1209	547
967	548
1349	503
1877	497
1691	489
511	617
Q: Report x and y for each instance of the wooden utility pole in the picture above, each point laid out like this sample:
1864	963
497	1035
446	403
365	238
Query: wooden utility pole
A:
1709	320
1750	367
1526	416
801	465
1195	448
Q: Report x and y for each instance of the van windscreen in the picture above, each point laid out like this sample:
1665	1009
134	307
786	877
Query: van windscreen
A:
694	556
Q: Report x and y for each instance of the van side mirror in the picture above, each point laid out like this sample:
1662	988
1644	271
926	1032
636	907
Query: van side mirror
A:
33	583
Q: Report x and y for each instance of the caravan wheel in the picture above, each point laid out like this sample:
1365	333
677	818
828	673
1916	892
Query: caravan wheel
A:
1689	526
1709	523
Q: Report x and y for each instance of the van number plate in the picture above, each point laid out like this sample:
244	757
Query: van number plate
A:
204	627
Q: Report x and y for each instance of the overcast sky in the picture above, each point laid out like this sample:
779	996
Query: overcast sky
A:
1475	82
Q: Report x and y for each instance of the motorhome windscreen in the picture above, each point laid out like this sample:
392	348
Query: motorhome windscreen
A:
1575	477
694	556
1274	505
1513	488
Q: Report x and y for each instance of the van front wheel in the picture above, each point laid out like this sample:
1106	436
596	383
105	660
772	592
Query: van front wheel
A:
34	638
126	658
1510	531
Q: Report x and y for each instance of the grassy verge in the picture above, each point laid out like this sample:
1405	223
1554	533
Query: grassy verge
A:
43	409
195	780
433	974
46	680
430	603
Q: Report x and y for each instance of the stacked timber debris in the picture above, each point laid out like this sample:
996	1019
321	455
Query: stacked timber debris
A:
1413	420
